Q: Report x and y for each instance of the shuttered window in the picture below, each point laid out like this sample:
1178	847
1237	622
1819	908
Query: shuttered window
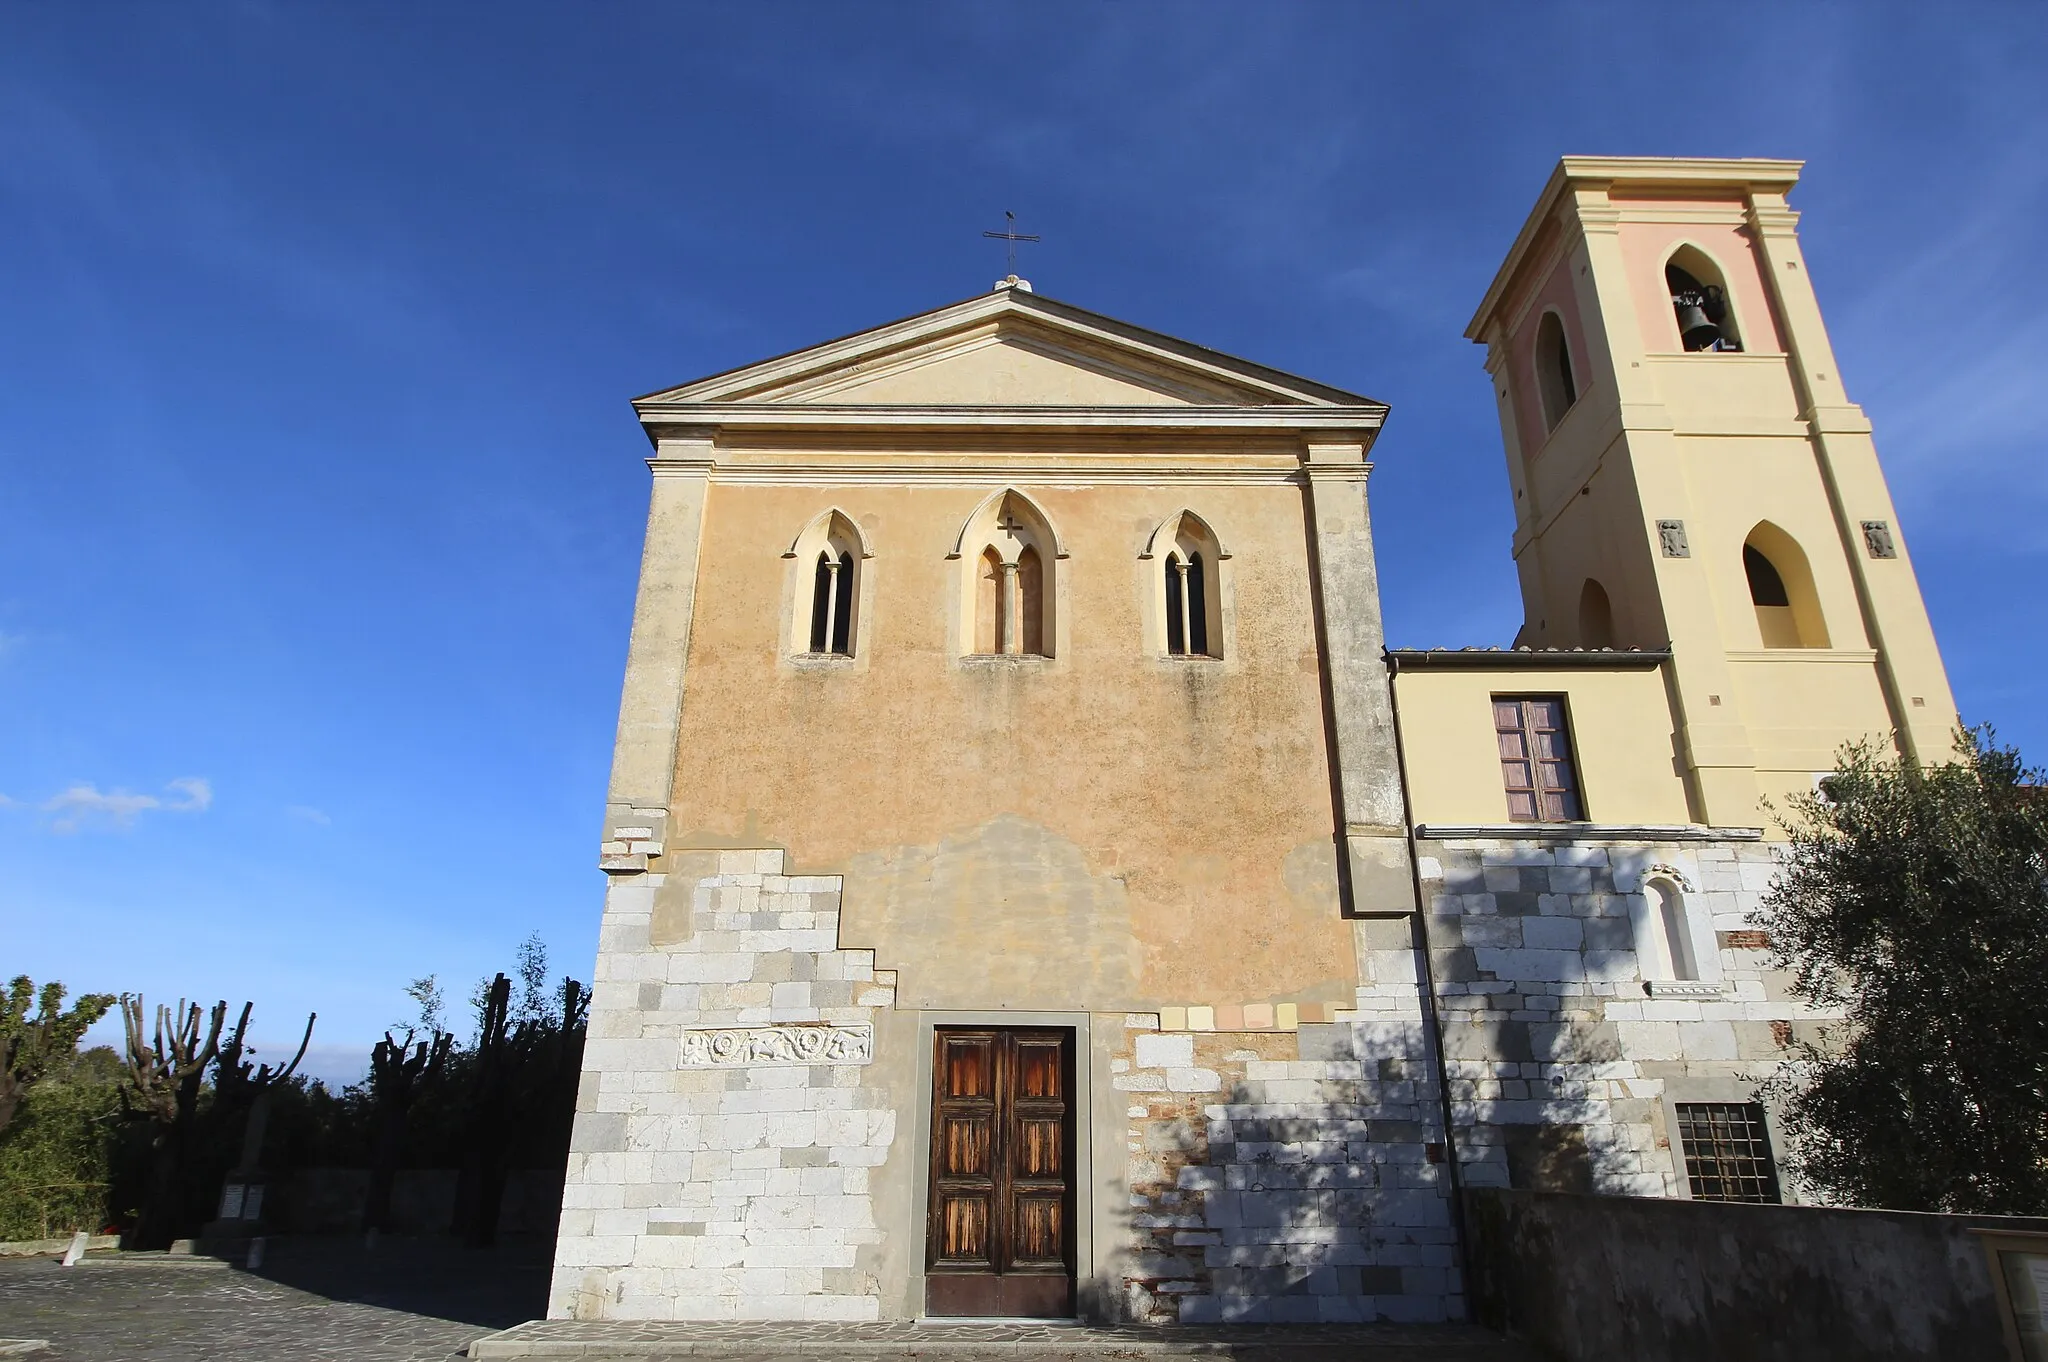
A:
1536	759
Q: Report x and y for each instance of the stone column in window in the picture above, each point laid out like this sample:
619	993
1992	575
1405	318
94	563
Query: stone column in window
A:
1007	613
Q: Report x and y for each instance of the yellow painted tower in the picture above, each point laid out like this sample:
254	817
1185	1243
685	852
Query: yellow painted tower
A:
1688	470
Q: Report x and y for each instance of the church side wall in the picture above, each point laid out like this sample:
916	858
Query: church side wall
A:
1565	1045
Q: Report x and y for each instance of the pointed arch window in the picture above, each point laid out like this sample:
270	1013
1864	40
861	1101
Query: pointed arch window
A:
832	603
1009	554
1188	588
825	613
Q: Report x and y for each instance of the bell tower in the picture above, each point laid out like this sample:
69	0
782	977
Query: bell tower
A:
1688	470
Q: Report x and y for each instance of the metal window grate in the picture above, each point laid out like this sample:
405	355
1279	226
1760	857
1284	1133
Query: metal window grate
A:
1727	1151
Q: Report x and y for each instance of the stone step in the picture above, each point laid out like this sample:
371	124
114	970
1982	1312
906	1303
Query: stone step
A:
644	1341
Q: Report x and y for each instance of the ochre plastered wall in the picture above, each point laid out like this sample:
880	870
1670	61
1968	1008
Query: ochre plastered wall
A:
1622	740
1104	829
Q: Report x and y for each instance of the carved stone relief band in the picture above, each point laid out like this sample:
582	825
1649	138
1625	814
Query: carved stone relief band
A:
745	1047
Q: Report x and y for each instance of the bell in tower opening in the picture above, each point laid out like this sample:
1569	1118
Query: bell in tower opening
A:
1702	309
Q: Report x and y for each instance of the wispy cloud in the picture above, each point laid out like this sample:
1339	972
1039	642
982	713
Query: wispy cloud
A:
85	802
306	813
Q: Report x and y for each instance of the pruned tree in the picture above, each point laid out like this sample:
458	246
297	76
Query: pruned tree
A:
1915	899
30	1045
165	1076
242	1087
481	1184
397	1071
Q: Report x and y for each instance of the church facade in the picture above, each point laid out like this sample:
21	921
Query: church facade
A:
1036	890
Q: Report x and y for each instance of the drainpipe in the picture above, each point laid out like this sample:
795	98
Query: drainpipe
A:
1434	1017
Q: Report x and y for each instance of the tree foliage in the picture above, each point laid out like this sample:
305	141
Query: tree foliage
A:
1915	899
29	1046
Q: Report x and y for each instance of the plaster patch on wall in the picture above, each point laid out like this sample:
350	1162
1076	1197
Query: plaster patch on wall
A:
1006	909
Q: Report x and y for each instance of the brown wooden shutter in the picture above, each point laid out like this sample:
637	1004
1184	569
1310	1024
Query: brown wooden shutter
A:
1536	759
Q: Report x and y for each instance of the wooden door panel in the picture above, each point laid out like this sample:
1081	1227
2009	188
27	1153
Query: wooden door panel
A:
967	1146
1041	1067
1040	1149
964	1224
1001	1173
1038	1230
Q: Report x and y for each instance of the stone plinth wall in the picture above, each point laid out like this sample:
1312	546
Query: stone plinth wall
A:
1284	1177
724	1135
1564	1036
1695	1281
330	1200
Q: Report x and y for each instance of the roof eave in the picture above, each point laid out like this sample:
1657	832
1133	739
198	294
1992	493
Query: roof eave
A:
1528	659
1291	388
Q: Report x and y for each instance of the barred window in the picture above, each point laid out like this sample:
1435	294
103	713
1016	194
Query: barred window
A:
1727	1151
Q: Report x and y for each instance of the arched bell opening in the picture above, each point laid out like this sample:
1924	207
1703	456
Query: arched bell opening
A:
1699	302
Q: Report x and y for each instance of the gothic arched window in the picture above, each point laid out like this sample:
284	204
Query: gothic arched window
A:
1189	595
832	604
825	611
1009	555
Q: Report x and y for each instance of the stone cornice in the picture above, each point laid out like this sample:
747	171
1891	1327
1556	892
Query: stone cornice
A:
1584	832
661	416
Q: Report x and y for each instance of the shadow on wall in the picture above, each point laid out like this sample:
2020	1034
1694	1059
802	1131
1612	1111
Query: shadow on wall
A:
330	1201
1307	1191
493	1288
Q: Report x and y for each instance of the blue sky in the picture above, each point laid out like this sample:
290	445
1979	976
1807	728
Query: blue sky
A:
320	498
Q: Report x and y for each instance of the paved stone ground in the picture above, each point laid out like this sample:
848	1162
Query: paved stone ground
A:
319	1301
560	1340
424	1301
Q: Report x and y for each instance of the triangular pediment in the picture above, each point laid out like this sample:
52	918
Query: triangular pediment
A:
1008	349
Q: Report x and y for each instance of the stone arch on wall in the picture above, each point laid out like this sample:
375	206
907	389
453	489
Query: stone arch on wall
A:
829	557
1788	613
1675	942
1186	586
1009	557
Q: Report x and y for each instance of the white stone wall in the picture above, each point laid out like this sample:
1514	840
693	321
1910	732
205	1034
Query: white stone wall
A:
1286	1177
725	1133
1541	963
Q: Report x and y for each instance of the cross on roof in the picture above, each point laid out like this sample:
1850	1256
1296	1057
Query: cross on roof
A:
1010	236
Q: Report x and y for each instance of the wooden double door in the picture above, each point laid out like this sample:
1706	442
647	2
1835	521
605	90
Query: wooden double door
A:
1000	1232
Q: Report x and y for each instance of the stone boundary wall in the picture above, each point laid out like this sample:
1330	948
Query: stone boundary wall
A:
1653	1280
330	1200
725	1127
